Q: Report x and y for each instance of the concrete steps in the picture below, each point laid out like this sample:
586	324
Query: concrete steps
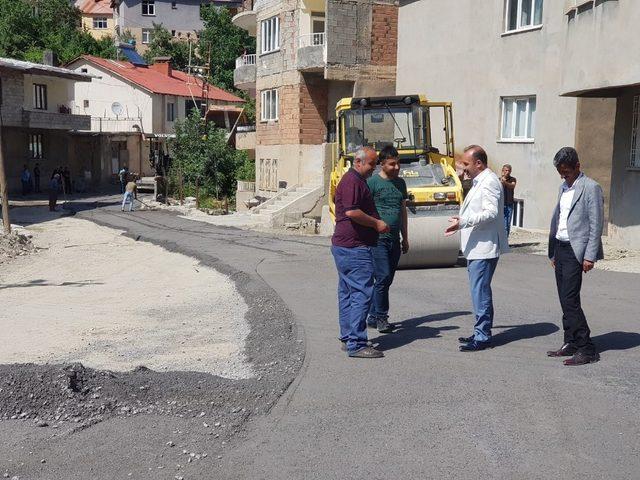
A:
288	205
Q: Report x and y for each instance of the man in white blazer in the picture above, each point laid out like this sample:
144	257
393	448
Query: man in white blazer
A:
483	238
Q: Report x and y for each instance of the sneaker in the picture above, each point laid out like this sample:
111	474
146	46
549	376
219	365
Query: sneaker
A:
384	326
366	352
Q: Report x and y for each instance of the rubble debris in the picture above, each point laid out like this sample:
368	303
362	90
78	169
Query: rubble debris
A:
14	245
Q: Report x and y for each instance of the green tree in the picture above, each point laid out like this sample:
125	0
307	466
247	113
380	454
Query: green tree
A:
201	152
28	28
162	44
225	42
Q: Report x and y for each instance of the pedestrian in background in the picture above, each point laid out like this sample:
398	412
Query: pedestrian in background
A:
390	195
122	175
130	192
36	175
575	244
509	187
25	179
66	176
53	192
357	227
483	238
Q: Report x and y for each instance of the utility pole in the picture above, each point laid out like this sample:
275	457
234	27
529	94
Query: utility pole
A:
3	188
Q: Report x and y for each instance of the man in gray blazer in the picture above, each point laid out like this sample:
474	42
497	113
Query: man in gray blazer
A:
575	244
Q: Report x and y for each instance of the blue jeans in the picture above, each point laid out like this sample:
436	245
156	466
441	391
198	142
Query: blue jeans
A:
508	215
386	256
480	275
355	286
127	196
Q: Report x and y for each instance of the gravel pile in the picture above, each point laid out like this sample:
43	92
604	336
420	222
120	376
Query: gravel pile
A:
14	245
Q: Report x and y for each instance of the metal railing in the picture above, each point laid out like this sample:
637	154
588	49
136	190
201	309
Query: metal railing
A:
311	40
243	60
115	125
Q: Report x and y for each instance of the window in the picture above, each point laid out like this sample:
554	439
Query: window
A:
100	22
148	7
171	112
85	103
146	35
518	119
270	35
40	96
173	33
522	14
174	5
634	160
84	70
269	105
35	145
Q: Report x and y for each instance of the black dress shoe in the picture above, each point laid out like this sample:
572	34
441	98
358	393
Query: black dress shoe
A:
384	326
475	346
567	350
581	358
466	339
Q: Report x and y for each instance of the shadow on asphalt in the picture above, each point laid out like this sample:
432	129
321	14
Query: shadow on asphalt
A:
617	341
515	333
413	329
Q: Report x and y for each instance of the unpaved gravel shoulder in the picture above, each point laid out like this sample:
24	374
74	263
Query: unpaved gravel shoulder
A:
68	397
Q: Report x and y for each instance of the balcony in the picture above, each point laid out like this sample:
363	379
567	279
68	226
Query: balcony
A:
312	52
55	120
246	137
244	76
246	20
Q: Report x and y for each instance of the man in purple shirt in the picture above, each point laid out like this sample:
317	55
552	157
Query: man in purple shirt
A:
357	227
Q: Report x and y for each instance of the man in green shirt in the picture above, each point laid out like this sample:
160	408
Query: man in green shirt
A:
389	193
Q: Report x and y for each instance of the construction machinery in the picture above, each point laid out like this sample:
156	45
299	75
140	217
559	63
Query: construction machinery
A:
422	132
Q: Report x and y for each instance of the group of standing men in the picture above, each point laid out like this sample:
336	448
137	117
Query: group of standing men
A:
371	231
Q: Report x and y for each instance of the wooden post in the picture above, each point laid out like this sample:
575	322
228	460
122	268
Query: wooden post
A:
6	222
226	206
181	193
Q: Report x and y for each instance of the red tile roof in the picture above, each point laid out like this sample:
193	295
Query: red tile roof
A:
178	83
93	7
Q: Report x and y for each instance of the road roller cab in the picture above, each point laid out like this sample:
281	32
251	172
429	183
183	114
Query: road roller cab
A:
422	132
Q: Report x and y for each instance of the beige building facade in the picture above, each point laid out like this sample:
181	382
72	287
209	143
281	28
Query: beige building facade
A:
310	53
527	77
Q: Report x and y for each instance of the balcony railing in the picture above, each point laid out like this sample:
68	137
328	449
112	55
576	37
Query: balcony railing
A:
246	60
311	40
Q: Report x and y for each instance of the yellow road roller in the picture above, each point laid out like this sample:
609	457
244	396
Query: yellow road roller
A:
422	132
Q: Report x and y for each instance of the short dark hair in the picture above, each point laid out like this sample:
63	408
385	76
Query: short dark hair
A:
478	153
566	156
387	152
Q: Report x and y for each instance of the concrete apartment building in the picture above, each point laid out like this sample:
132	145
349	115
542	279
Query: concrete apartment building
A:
180	17
133	109
310	53
527	77
36	104
97	18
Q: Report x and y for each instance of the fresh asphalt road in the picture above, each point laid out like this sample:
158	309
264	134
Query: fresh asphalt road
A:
425	411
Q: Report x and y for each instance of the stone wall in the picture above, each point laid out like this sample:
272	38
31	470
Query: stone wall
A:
12	98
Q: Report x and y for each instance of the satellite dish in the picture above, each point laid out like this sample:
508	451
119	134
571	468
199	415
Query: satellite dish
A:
117	109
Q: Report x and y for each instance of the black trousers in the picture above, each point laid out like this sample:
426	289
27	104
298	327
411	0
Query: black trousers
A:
569	282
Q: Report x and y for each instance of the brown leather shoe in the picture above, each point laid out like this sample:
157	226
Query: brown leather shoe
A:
367	352
566	351
581	359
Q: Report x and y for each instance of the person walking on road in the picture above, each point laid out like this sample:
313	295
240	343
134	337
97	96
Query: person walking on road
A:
390	195
357	227
509	187
575	244
130	192
483	238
